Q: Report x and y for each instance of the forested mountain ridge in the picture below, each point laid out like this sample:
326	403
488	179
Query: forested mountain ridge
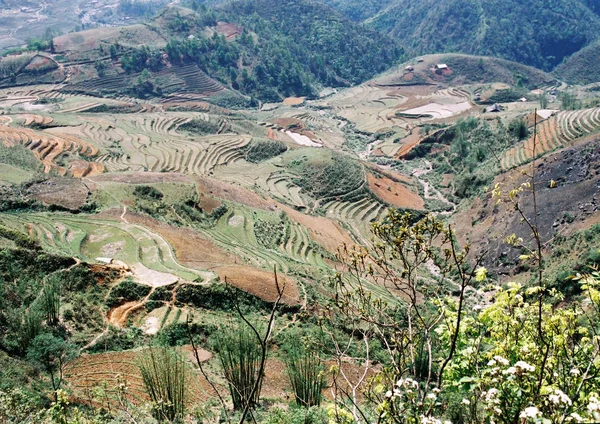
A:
268	50
581	68
313	39
536	33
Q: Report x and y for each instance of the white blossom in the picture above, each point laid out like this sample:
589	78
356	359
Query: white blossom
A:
560	397
501	360
524	366
388	394
594	405
511	370
530	412
466	402
574	371
431	396
491	394
576	417
430	420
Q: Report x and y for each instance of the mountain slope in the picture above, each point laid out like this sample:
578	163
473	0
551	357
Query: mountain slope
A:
358	11
534	33
332	47
265	49
582	67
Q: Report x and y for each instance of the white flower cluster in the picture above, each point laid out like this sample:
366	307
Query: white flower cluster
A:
594	405
432	420
404	385
519	368
558	397
530	412
498	360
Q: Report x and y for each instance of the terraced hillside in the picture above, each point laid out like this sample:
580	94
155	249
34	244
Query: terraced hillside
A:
558	131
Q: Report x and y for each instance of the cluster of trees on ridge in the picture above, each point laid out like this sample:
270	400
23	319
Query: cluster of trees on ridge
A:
285	49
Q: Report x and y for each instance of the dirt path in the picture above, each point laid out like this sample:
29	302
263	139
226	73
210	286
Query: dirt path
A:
123	214
119	315
428	189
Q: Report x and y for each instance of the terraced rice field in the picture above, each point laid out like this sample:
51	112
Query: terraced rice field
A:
150	257
558	131
373	107
93	372
265	177
358	214
151	142
235	231
48	147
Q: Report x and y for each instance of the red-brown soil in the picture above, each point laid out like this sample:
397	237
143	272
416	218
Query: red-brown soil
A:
394	193
230	31
232	193
68	193
259	283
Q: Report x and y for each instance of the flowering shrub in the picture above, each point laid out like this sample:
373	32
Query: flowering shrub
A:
478	353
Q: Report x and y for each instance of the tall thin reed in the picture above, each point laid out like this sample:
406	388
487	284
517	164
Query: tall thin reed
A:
240	355
306	375
164	375
50	301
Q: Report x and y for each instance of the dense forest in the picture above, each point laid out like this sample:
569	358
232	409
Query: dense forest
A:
537	33
282	49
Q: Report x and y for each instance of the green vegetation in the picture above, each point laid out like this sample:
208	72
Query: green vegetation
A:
469	150
270	234
20	157
126	291
147	192
240	356
277	53
261	150
35	288
219	297
306	375
336	176
200	126
10	66
543	36
474	69
505	96
358	11
164	375
140	8
581	67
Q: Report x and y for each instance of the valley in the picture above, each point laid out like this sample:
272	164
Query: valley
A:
167	173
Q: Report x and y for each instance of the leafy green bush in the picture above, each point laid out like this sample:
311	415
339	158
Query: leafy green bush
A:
505	96
163	293
119	339
200	127
268	233
20	157
338	177
176	334
148	192
126	291
262	150
218	297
